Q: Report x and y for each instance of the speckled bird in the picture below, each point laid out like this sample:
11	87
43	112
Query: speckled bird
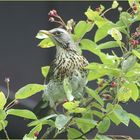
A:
68	63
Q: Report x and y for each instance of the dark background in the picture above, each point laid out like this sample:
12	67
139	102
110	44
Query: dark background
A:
21	59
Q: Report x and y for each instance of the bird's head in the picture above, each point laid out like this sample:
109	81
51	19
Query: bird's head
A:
60	37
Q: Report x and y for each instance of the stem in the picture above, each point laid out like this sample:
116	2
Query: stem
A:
8	90
47	133
62	21
120	136
106	11
6	134
10	104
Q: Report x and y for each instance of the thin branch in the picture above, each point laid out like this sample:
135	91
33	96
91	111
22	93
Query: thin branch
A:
6	134
120	136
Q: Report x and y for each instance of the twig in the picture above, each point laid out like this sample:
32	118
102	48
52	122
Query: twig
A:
120	136
6	134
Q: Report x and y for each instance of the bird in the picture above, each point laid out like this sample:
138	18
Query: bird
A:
68	64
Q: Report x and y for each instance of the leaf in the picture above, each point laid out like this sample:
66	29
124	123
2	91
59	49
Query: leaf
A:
35	129
2	100
104	125
61	121
125	19
114	4
73	133
46	43
95	17
94	95
97	113
116	34
45	70
28	91
136	53
108	45
103	31
22	113
122	115
85	124
71	105
100	70
128	63
41	35
134	91
102	137
42	120
28	138
113	117
2	115
87	44
68	89
3	124
81	28
135	119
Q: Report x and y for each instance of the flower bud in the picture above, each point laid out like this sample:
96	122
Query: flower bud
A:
36	133
7	80
53	13
113	84
51	19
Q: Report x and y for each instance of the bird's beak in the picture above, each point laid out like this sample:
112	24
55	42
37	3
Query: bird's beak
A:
46	33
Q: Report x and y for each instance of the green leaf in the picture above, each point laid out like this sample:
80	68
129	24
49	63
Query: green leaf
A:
136	53
61	121
102	137
35	129
87	44
2	100
45	70
134	91
128	63
104	125
2	115
46	43
135	119
81	28
95	17
85	124
42	120
71	105
68	89
108	45
97	113
122	115
112	115
125	18
114	4
41	35
127	91
94	95
103	31
22	113
28	91
28	138
3	124
101	70
73	133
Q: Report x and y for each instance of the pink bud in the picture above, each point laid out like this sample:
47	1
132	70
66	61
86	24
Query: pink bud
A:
51	19
53	13
36	133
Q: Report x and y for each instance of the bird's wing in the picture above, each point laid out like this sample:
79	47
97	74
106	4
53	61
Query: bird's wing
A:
51	70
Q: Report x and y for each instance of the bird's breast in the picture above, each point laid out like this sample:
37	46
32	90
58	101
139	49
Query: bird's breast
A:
68	64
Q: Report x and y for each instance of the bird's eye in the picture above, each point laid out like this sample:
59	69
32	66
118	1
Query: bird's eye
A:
57	33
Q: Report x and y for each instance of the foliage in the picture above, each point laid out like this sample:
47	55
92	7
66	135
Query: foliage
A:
117	78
